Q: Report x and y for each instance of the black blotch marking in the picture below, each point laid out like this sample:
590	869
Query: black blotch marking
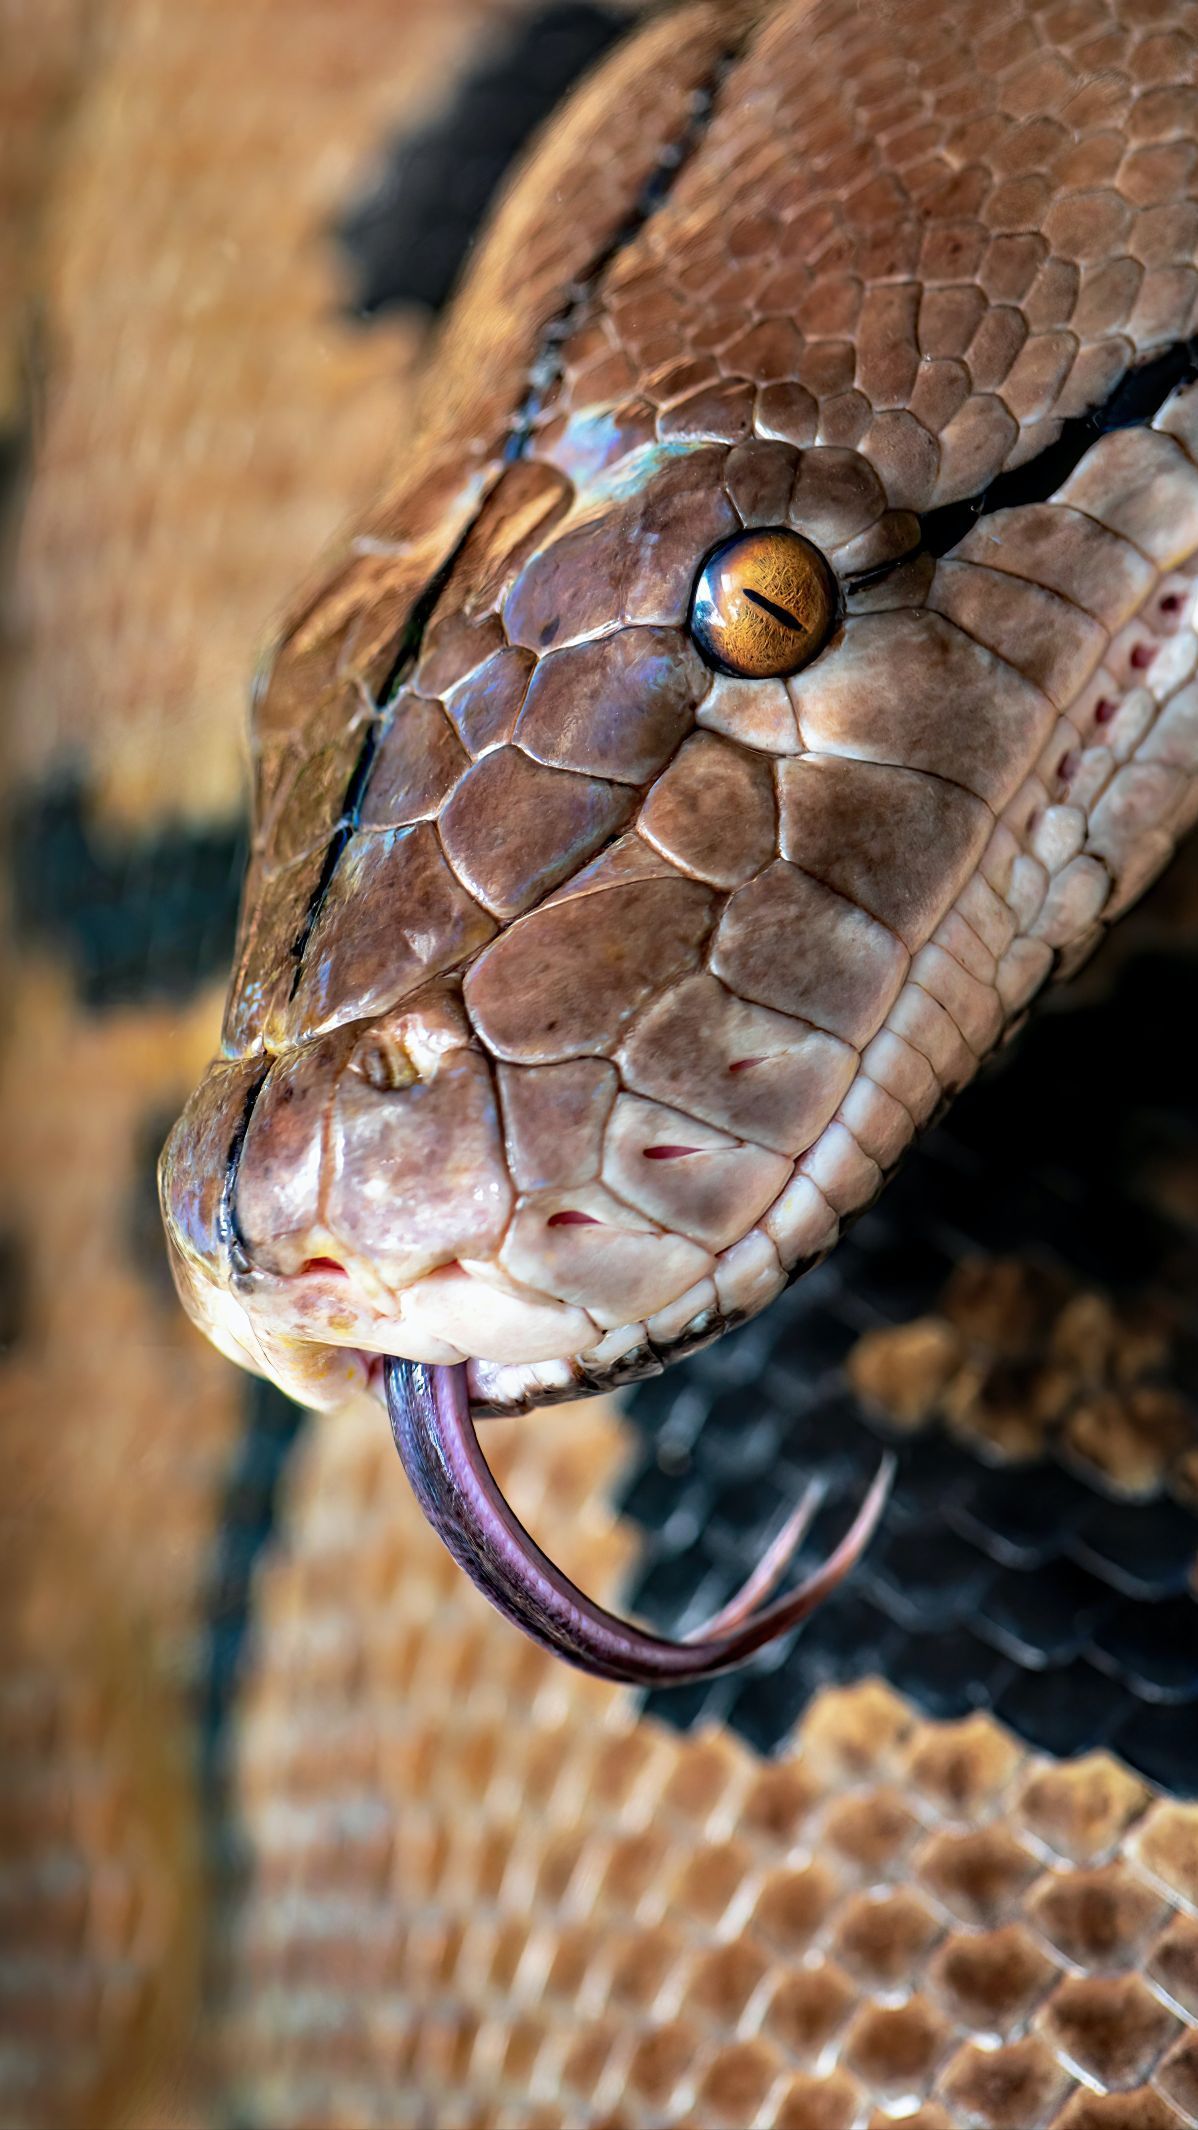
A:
247	1523
14	467
1023	1590
140	919
143	1216
409	238
14	1294
768	606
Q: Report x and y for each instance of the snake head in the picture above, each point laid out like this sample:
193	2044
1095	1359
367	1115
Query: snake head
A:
692	774
664	875
488	1098
624	952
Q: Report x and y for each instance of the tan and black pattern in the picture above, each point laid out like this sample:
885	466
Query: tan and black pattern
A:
486	1893
292	1830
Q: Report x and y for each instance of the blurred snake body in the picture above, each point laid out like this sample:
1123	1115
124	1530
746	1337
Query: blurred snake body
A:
588	984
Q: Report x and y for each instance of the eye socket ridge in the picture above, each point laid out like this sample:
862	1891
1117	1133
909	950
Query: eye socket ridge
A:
763	604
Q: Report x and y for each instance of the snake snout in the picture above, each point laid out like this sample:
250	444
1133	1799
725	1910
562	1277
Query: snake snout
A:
348	1199
373	1160
297	1330
197	1171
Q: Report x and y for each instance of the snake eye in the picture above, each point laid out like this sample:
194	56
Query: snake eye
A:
764	603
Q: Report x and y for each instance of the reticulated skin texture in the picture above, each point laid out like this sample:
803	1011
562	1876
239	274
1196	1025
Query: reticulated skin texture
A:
585	991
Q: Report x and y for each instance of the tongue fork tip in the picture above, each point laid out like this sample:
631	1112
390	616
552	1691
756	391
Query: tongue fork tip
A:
434	1432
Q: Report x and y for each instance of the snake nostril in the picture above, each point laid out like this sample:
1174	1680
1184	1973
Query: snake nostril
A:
382	1061
328	1265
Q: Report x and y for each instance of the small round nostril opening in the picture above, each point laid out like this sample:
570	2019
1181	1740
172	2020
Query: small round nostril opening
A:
324	1264
383	1063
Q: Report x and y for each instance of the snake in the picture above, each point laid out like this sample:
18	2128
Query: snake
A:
773	670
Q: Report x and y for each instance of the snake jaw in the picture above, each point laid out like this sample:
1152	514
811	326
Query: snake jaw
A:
434	1432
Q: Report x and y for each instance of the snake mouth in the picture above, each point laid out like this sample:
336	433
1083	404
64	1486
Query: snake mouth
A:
431	1421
